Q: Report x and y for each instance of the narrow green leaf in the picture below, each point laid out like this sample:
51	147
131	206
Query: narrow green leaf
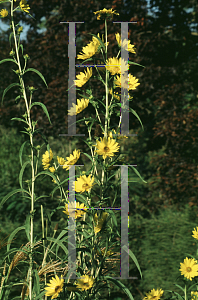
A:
135	114
10	194
120	285
179	287
136	171
133	258
19	119
21	152
11	34
39	297
13	250
82	199
132	63
59	243
37	283
47	173
8	88
88	156
21	46
63	232
178	295
22	171
43	107
12	236
44	196
27	227
112	214
38	73
8	59
84	96
101	42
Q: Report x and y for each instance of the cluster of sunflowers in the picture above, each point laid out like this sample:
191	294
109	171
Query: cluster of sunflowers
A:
189	268
107	147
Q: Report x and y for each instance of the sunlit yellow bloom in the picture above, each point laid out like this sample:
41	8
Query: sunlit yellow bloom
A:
83	183
91	48
195	233
131	85
20	29
52	169
194	295
110	134
81	105
72	159
189	268
47	159
85	283
54	287
4	13
24	6
107	147
96	41
78	208
113	65
99	223
115	94
105	13
128	47
82	78
61	160
154	294
88	50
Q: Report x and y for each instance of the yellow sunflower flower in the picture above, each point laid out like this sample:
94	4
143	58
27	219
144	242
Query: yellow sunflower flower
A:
91	48
82	78
61	161
105	13
85	283
110	134
154	294
72	159
99	223
131	85
24	6
113	65
83	183
47	159
81	105
194	295
3	13
54	287
107	147
78	208
195	233
88	50
189	268
52	169
115	94
128	47
96	41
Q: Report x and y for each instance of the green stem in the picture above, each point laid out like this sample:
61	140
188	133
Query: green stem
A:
106	85
185	293
32	155
92	154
